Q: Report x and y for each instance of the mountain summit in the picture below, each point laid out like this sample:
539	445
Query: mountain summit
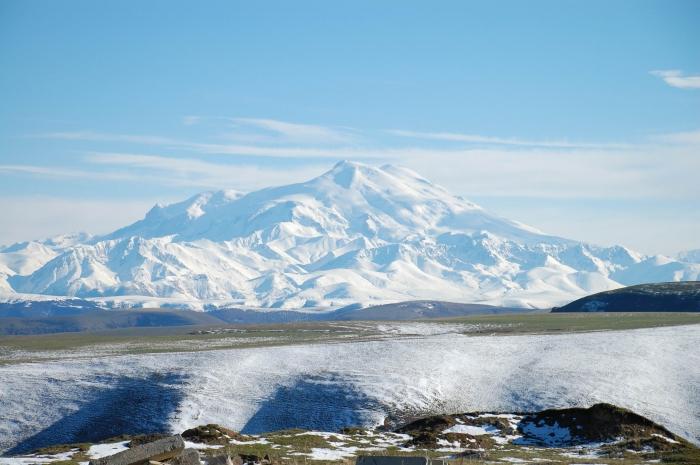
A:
355	234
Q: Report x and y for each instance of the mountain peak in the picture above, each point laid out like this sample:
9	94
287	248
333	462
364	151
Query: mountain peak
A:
347	164
357	233
345	173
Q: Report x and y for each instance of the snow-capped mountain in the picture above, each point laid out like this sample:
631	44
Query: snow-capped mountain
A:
354	234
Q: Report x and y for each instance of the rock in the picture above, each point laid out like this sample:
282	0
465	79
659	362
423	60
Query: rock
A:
390	460
599	423
141	439
425	432
473	454
188	457
249	459
212	434
157	451
224	460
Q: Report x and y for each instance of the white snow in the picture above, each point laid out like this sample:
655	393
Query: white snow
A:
356	234
35	459
331	454
473	430
646	370
672	441
103	450
551	435
200	446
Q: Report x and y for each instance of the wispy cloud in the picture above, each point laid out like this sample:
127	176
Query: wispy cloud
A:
199	173
109	137
191	120
474	165
274	130
487	140
54	172
334	152
684	138
676	78
39	217
295	132
171	171
259	150
582	174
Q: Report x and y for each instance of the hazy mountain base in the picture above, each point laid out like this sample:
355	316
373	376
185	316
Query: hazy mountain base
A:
186	338
19	318
602	433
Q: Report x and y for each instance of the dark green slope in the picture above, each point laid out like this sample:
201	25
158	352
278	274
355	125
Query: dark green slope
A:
656	297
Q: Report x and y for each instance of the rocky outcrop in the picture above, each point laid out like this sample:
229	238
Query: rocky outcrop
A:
212	434
602	431
170	450
599	423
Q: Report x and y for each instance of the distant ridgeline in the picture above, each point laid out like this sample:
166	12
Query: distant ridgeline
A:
658	297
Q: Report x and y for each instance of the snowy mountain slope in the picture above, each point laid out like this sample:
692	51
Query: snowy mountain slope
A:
690	256
354	234
25	257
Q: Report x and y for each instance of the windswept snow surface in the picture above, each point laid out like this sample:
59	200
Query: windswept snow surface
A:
655	372
356	234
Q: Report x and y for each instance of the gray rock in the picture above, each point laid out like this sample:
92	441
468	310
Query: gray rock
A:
158	451
188	457
224	460
390	460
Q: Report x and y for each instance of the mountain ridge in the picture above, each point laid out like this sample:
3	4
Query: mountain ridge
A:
355	234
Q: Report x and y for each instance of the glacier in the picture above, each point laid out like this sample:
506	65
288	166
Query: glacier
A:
355	234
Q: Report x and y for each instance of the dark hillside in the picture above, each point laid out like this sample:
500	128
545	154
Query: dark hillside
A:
655	297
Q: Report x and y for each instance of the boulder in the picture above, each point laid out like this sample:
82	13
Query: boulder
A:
157	451
249	459
188	457
391	460
212	434
224	460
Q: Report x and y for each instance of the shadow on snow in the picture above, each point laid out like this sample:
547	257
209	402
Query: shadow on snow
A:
128	406
324	403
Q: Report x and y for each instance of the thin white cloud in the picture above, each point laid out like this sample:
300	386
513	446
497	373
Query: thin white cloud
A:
213	148
487	140
494	167
54	172
676	78
191	120
295	132
334	152
169	171
684	138
583	174
39	217
194	172
108	137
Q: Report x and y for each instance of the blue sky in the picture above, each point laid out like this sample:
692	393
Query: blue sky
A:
580	118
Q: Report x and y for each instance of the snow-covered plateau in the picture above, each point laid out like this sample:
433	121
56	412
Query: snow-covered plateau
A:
655	372
356	234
